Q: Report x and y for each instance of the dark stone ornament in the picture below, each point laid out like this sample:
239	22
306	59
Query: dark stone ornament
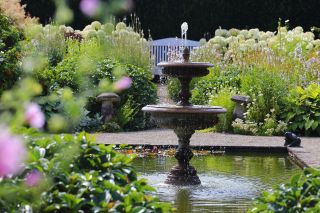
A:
184	118
291	140
183	173
184	94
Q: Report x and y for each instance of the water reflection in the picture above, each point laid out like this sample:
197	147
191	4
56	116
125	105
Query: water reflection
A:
229	181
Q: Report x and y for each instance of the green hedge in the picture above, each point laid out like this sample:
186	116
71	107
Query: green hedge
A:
9	53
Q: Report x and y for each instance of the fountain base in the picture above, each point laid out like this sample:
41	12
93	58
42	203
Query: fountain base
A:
184	120
183	176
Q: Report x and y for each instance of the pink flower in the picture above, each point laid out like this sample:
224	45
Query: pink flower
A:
123	83
89	7
127	5
12	153
34	116
33	178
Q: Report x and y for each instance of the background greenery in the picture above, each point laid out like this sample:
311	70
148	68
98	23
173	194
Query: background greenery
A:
164	17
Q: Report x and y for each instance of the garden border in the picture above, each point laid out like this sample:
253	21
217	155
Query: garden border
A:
305	156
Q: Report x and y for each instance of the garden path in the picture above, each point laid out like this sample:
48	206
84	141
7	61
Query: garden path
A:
163	95
307	155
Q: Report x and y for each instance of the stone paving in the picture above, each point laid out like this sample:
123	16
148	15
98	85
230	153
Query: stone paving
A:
307	155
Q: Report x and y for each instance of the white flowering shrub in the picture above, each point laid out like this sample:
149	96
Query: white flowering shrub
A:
267	64
124	44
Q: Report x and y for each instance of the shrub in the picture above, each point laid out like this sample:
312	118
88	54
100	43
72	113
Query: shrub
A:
141	93
302	110
219	78
223	99
68	61
300	195
174	88
78	175
266	89
269	127
9	53
122	43
203	88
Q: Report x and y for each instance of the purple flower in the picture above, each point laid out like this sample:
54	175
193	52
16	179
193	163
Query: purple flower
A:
89	7
33	178
34	116
12	153
123	83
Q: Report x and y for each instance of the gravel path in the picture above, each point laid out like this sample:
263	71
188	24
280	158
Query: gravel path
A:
163	94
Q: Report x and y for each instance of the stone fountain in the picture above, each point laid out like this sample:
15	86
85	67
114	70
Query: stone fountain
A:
184	118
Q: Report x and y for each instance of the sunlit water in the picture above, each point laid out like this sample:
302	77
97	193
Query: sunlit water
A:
229	181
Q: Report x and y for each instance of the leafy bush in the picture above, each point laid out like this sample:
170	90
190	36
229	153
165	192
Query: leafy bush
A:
302	110
174	88
141	93
203	88
67	60
121	43
219	78
302	194
223	99
9	53
266	90
89	178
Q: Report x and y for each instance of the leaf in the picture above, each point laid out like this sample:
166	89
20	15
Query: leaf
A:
295	179
315	125
308	124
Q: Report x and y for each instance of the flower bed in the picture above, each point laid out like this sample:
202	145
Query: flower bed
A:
266	66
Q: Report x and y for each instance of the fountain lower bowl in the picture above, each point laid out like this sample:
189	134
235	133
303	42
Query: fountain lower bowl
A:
184	117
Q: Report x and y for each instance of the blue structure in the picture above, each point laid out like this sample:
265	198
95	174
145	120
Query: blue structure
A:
160	48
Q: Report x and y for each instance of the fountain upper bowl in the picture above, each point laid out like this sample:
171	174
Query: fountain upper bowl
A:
184	117
185	64
185	69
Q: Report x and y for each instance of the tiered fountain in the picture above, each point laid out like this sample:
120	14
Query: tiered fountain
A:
184	118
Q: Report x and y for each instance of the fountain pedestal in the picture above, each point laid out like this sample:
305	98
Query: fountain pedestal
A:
183	173
184	118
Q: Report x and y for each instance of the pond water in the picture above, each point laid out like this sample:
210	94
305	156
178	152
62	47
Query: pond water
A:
229	181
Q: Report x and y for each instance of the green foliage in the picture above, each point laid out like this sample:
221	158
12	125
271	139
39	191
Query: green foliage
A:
174	88
270	126
223	99
9	53
100	72
266	90
219	78
302	194
79	175
203	88
302	110
141	93
128	115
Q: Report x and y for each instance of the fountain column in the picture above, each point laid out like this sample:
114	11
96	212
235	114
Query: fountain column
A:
184	118
183	173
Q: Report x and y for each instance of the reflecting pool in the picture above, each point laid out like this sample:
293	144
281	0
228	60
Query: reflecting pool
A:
229	181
